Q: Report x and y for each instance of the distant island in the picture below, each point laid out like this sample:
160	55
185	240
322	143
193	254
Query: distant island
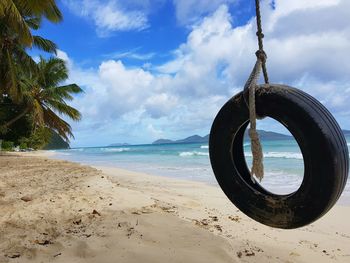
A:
264	135
191	139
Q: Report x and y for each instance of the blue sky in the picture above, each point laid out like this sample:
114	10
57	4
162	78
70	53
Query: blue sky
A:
89	44
163	68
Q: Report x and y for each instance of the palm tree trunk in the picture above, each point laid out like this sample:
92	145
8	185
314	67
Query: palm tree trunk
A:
12	121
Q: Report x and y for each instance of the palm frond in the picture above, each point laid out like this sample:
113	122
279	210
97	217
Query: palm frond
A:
38	112
26	87
44	44
54	71
11	78
65	92
52	13
33	22
24	61
13	16
45	99
57	124
47	8
64	109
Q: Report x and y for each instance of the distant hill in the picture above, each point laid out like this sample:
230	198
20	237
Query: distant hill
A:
191	139
163	141
194	139
272	136
56	143
346	132
264	135
118	144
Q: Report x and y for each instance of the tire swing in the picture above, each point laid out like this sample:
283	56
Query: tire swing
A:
322	143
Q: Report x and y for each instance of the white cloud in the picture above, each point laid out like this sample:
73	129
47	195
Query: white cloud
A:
184	95
132	54
190	11
205	63
154	132
121	102
308	43
160	105
112	15
309	59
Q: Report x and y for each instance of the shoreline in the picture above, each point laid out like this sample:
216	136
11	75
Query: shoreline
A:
82	214
344	200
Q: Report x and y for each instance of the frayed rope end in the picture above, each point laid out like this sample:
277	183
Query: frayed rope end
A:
258	166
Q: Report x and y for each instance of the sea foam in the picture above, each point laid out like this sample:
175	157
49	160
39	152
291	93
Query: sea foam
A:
117	150
194	153
76	150
282	155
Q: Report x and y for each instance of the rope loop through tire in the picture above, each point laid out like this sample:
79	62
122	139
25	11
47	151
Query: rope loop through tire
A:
260	65
322	143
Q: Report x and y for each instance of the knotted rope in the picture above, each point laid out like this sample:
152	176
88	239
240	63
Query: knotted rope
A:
251	85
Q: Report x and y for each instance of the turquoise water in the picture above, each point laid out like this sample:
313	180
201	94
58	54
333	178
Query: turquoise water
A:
283	162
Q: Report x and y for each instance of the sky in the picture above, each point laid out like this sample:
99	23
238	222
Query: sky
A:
155	69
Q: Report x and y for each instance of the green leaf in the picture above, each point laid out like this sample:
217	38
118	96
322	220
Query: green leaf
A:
44	44
12	15
34	22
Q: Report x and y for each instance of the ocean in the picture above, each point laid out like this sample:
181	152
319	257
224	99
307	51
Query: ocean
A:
283	162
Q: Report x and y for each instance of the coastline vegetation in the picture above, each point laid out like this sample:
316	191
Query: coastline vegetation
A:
34	96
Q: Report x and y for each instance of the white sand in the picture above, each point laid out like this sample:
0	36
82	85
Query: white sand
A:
142	218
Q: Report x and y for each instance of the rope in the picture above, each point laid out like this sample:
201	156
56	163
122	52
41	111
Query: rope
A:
251	85
261	53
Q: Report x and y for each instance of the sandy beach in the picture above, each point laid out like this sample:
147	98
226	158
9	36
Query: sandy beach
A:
57	211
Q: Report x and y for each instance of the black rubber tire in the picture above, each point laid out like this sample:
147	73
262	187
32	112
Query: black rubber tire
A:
322	143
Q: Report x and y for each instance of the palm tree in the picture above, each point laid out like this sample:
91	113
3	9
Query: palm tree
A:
46	100
17	19
20	14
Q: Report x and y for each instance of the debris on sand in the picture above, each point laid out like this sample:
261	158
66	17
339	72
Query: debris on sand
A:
96	213
26	198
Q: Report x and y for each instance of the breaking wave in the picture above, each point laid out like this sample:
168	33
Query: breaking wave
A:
194	153
116	150
282	155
